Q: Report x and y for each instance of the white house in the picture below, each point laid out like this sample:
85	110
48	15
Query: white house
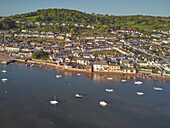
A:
12	49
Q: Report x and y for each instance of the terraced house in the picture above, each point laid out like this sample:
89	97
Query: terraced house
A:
101	66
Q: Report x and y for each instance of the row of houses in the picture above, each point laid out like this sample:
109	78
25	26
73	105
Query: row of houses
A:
51	24
103	66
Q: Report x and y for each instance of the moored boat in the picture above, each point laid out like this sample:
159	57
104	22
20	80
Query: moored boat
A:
32	65
124	81
4	62
78	74
78	96
140	93
138	82
4	79
103	103
110	90
4	71
157	88
58	76
53	102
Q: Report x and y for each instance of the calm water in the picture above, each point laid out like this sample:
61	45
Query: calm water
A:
29	90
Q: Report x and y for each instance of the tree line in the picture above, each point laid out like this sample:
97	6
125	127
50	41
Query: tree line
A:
72	16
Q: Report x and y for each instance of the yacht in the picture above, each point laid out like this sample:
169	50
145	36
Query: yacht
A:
138	82
103	103
109	90
124	81
157	88
78	96
58	76
140	93
4	79
4	71
54	102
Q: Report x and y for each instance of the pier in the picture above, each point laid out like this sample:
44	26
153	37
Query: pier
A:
7	62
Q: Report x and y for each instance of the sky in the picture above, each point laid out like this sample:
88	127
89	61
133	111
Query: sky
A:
111	7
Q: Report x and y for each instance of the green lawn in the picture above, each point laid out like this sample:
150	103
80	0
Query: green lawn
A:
142	26
31	18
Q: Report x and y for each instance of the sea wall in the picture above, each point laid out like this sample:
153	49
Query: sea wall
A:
77	70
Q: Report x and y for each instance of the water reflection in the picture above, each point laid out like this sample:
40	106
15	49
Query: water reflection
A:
97	77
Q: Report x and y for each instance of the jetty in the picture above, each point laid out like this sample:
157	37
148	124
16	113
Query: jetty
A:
7	62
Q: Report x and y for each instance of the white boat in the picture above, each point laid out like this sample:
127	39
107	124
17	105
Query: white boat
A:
124	81
140	93
4	71
109	78
4	79
78	96
109	90
138	82
158	89
53	102
103	103
58	76
32	65
78	74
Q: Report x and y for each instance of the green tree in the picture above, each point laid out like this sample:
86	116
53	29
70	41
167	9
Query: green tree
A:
39	54
72	30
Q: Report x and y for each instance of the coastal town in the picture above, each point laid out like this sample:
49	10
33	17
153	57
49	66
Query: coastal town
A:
84	64
123	51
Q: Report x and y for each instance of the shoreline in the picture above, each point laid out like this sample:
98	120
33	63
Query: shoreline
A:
46	64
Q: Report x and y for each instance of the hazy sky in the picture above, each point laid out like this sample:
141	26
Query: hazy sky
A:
112	7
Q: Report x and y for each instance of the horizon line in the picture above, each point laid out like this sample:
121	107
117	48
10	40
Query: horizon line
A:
87	13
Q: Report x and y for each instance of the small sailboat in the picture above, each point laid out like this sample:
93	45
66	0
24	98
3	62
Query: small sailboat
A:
54	102
138	82
32	65
140	93
158	89
4	71
109	90
78	96
4	79
103	103
58	76
124	81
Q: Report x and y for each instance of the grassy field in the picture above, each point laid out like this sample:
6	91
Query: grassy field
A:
141	23
31	19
